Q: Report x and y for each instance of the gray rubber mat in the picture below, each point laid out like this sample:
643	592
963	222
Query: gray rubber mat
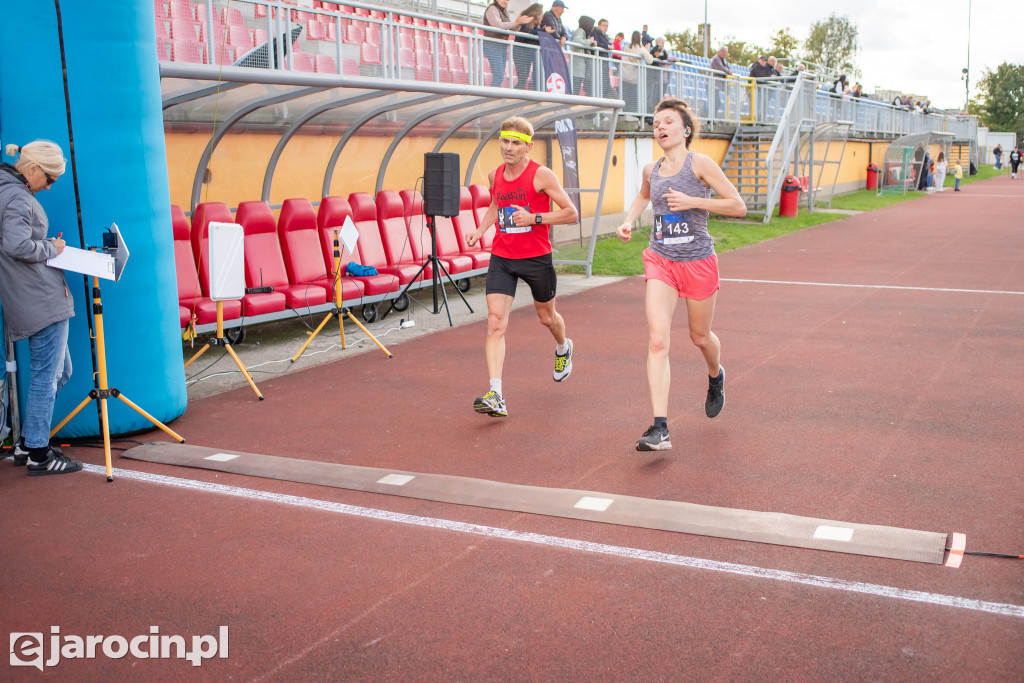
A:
744	525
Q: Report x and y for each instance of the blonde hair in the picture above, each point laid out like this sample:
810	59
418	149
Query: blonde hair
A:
518	124
44	153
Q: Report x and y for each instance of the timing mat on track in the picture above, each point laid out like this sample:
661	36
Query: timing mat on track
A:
666	515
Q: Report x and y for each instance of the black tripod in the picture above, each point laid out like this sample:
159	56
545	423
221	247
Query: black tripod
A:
438	268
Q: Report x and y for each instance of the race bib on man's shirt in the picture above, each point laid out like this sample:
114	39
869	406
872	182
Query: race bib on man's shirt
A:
672	228
507	225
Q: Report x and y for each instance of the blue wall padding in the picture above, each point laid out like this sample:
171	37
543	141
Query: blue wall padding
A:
114	87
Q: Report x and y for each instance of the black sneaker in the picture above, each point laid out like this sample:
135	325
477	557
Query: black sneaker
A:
54	464
21	452
654	439
716	394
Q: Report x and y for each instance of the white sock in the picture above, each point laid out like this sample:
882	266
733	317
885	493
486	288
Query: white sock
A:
562	349
496	386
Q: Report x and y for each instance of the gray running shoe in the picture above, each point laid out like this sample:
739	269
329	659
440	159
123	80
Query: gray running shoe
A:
491	404
654	439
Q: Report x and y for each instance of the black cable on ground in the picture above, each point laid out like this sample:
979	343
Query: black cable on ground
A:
1001	555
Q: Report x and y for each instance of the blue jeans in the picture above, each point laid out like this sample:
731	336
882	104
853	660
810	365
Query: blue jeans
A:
496	54
50	365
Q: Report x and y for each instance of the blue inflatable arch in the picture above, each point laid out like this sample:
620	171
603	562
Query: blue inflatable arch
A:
113	85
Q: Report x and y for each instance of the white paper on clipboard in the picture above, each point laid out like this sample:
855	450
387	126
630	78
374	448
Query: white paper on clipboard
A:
93	263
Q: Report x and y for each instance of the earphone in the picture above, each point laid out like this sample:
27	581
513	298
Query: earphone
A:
687	131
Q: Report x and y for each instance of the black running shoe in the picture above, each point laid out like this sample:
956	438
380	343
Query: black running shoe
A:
54	464
716	394
21	452
654	439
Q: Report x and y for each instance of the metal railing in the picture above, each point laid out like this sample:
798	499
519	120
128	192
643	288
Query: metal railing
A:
799	113
395	42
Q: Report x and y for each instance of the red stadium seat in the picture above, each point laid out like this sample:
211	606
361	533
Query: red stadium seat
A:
371	245
330	218
233	16
394	232
190	293
264	265
188	51
303	61
303	257
481	200
209	212
315	30
419	235
326	65
464	224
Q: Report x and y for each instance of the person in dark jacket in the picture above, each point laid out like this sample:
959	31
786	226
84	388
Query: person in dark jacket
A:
36	301
553	18
603	42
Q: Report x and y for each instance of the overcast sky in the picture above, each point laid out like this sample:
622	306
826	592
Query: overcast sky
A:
910	45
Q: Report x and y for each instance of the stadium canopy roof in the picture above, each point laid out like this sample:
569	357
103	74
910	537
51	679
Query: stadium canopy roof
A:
288	102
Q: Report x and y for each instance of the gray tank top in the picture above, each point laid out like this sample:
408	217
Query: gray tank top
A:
680	236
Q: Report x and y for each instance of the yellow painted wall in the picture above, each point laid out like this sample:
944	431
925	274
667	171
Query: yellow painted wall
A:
237	167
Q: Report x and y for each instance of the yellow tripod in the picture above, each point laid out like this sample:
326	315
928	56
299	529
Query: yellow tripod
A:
221	340
338	310
103	392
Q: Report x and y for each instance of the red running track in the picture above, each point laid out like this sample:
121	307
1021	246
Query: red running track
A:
895	399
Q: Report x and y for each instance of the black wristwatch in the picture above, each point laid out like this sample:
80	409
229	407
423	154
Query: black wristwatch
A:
537	219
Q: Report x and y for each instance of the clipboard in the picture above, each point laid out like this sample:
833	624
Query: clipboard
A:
107	264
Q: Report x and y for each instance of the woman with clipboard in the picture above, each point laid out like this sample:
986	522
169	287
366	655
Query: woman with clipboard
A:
36	301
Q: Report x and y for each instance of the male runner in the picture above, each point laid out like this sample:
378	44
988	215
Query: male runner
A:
521	194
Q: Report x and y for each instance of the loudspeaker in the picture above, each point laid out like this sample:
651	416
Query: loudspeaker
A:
441	184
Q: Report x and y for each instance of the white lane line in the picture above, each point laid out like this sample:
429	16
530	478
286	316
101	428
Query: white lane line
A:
839	284
876	590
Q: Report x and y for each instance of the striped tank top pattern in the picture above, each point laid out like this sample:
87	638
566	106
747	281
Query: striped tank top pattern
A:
685	235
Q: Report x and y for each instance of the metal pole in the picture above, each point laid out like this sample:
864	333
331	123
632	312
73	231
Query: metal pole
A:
706	29
967	78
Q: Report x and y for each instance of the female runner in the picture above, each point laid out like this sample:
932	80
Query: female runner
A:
680	262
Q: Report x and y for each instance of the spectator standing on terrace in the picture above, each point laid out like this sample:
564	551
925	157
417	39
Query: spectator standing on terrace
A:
553	18
998	154
840	87
521	194
645	38
583	66
721	67
35	297
603	42
857	91
526	50
720	63
773	63
496	49
658	80
631	71
760	68
940	172
680	262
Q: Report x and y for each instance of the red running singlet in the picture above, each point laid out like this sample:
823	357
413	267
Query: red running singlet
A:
515	242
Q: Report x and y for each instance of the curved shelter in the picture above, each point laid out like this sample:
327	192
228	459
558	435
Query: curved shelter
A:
333	116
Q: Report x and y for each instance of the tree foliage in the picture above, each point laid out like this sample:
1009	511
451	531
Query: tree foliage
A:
1002	95
833	43
783	45
688	42
741	52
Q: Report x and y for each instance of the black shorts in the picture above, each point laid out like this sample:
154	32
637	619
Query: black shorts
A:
503	275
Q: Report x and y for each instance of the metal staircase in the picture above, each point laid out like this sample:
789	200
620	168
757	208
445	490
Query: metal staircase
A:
745	167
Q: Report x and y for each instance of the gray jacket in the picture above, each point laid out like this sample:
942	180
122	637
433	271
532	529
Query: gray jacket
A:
33	294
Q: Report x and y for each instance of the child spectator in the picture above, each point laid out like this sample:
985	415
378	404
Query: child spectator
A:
958	173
